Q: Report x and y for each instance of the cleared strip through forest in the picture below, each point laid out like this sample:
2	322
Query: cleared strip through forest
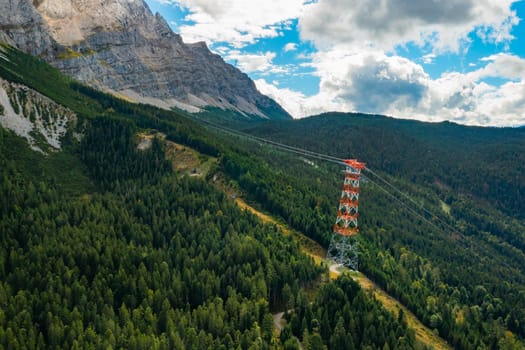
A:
423	334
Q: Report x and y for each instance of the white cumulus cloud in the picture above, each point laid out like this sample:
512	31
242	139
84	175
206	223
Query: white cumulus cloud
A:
504	66
370	81
429	58
373	82
237	22
290	47
296	103
258	62
384	24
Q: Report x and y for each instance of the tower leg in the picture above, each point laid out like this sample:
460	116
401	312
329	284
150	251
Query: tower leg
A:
344	250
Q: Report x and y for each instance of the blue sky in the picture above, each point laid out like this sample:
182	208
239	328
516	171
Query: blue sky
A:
458	60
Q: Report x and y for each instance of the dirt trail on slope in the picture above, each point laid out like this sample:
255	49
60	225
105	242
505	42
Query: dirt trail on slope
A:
423	334
278	321
308	245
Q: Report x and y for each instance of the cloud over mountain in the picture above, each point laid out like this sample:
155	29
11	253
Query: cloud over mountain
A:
236	21
431	60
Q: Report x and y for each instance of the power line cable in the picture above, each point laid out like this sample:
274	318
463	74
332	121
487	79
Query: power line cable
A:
282	146
419	206
329	158
411	210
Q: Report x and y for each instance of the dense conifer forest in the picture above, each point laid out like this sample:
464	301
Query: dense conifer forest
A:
103	245
462	273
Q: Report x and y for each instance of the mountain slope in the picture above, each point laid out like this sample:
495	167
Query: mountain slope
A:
486	163
467	283
121	47
103	246
459	269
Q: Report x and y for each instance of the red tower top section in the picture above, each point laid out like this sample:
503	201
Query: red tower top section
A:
354	163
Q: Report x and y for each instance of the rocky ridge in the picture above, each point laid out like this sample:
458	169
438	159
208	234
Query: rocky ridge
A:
22	26
121	47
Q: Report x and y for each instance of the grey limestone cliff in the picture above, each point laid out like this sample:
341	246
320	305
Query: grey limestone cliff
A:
22	26
121	47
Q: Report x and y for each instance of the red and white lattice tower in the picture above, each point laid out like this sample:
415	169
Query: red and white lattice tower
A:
344	249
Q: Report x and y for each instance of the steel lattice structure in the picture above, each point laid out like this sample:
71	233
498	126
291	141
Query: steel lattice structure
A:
344	248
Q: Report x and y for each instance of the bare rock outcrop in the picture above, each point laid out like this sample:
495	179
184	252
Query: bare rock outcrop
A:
22	26
121	47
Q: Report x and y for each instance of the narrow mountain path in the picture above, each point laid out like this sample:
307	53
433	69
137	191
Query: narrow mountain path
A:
308	245
278	321
423	334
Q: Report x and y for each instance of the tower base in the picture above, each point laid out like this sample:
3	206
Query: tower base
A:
344	250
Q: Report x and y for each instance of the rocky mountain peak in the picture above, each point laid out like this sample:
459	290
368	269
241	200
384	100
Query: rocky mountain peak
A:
74	21
121	47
